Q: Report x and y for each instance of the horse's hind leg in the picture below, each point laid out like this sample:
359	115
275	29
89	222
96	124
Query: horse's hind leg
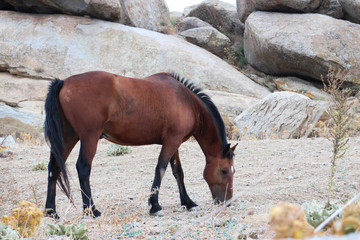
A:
179	176
83	167
53	175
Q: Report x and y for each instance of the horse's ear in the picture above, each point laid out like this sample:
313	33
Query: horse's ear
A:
233	148
226	150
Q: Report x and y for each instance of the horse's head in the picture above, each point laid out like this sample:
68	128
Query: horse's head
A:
218	174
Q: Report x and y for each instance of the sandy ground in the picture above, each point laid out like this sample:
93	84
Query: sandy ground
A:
267	172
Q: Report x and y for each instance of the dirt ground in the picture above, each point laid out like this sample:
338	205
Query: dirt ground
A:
267	172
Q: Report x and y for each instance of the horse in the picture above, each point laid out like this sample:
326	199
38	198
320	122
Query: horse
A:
160	109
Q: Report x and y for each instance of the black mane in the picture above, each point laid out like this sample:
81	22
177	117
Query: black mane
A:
208	103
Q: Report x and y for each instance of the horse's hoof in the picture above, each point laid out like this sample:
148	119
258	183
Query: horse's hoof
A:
96	213
194	209
93	213
51	213
158	213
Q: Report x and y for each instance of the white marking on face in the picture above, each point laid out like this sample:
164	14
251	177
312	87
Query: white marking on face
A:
50	174
232	169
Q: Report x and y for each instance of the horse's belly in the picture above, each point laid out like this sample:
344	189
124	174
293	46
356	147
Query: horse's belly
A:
133	135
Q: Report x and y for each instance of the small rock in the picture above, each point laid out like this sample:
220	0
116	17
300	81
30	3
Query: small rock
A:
242	236
354	185
253	235
251	212
55	237
8	141
5	154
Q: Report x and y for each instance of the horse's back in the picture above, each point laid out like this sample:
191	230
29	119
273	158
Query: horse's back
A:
128	110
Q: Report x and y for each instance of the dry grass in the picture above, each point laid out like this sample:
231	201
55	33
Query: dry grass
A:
120	186
342	119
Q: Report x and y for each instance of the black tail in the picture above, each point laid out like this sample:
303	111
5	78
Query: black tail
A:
53	132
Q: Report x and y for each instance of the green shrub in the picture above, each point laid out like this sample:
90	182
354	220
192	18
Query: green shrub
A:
7	233
117	150
316	213
236	56
240	55
76	232
39	166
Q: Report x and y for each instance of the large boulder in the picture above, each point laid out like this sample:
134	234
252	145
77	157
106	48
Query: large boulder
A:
281	114
148	14
208	38
221	15
351	9
102	9
49	46
23	98
191	22
302	44
327	7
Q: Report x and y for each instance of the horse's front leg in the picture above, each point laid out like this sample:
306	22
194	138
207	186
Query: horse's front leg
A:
179	176
83	167
167	151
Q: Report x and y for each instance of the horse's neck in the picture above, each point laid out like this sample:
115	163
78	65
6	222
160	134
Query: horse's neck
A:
208	136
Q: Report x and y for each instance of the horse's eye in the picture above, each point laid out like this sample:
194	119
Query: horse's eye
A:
224	171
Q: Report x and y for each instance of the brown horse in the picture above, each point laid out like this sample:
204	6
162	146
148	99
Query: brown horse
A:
159	109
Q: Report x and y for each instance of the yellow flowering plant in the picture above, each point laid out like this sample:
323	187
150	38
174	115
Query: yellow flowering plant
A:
24	219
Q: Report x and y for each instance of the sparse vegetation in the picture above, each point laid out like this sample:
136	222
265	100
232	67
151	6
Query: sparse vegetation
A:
119	222
20	131
235	56
341	115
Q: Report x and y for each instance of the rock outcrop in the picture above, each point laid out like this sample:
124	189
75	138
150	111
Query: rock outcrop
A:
302	44
328	7
148	14
285	114
49	46
103	9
